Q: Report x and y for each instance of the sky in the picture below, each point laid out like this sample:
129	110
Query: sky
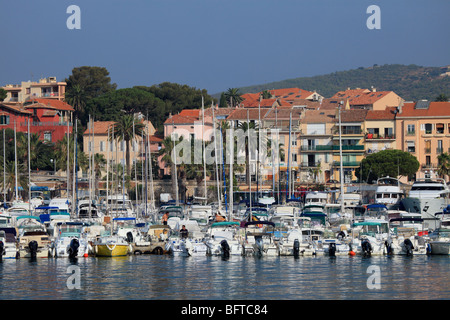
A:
217	44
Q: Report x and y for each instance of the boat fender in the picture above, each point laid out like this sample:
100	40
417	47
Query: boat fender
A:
341	235
428	248
73	248
33	246
225	247
332	249
408	246
296	248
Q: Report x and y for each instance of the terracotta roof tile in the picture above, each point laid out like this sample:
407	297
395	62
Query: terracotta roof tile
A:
435	109
57	104
387	114
241	114
319	116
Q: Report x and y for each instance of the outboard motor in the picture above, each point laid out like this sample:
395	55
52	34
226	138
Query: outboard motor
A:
73	248
129	237
225	248
332	249
296	248
33	247
408	247
388	246
341	235
366	247
2	250
259	244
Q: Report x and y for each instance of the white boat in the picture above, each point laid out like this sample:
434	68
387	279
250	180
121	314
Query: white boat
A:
8	243
223	239
316	198
289	237
259	239
34	241
70	242
369	237
389	192
119	205
440	241
86	211
64	204
428	197
406	236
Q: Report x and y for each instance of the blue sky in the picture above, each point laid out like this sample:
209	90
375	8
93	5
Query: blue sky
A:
217	44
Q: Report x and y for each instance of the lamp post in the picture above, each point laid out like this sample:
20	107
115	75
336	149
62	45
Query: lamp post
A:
54	166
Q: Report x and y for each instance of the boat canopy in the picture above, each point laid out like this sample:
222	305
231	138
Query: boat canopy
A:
28	217
124	219
249	223
377	205
367	223
225	223
407	219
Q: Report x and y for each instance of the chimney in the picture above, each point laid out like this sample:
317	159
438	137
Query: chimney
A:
374	89
400	107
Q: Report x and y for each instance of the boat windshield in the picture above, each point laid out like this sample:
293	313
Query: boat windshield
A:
427	188
70	229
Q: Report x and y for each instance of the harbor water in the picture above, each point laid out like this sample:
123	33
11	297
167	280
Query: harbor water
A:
154	277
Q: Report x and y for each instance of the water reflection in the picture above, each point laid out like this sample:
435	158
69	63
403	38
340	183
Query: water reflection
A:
237	278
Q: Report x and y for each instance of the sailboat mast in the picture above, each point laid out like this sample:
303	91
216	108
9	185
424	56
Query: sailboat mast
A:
75	172
107	170
15	157
340	158
175	162
29	167
249	167
4	169
204	151
219	198
231	144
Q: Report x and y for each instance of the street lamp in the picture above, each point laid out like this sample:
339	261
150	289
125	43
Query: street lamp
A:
54	166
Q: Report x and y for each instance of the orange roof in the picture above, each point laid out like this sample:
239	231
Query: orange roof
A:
253	114
196	113
16	108
387	114
360	96
57	104
179	119
319	116
100	127
291	93
349	93
435	109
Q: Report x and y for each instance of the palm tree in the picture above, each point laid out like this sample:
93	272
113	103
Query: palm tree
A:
233	97
266	94
444	164
126	129
166	153
10	173
40	152
77	98
248	144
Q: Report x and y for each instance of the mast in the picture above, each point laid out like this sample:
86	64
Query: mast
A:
15	165
68	157
204	151
231	143
29	167
340	158
152	191
288	187
75	172
249	167
175	162
219	198
135	169
4	169
107	170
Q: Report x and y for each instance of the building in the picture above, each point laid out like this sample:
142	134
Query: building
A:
368	99
380	130
316	145
48	88
423	129
49	118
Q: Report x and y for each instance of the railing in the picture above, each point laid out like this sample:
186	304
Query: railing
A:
346	163
374	136
427	150
332	147
439	150
309	164
429	165
410	133
45	124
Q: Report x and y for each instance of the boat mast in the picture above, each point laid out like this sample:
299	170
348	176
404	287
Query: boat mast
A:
29	167
75	172
175	162
135	171
231	143
204	151
152	191
288	173
249	174
340	157
107	170
219	198
68	157
4	169
15	157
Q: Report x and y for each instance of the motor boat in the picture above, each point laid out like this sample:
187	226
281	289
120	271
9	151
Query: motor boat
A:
405	238
427	197
440	241
34	241
389	192
289	237
108	245
369	237
259	238
8	243
224	239
119	205
71	241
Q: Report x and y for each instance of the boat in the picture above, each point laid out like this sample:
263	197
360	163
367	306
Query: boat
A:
289	237
259	238
119	205
71	241
369	237
64	204
405	238
440	241
34	241
223	239
8	243
191	245
86	211
316	198
389	192
427	197
153	241
108	245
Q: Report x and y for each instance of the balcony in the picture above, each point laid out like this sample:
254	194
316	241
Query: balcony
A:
346	163
374	136
410	133
323	148
427	166
309	164
427	150
439	150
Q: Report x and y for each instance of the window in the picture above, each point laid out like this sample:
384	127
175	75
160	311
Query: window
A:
102	145
411	129
411	146
4	119
47	136
439	128
428	128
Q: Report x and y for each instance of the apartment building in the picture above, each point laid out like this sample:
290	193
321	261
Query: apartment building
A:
48	88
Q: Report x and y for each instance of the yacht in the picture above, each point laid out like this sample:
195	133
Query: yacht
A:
70	242
222	238
427	197
119	205
389	192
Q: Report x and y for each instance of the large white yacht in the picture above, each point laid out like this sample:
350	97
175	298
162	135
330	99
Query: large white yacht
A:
388	192
428	197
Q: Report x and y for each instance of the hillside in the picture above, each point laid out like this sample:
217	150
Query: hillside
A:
411	82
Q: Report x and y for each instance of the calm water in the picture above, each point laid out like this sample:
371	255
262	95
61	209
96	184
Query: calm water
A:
238	278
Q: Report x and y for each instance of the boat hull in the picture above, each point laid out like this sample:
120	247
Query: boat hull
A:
440	247
111	250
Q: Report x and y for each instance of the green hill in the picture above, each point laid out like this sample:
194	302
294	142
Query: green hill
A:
411	82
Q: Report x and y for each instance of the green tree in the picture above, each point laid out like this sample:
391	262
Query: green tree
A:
126	128
76	96
223	101
441	98
443	164
3	94
40	151
10	174
383	163
233	97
